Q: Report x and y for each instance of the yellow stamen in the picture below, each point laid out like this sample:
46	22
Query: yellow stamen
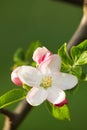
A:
46	82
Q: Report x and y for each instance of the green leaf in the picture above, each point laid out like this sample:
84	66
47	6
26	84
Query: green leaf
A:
77	71
76	51
60	113
31	49
12	96
19	56
66	60
66	68
82	59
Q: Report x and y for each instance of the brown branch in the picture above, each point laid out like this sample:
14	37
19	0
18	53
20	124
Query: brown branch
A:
13	122
81	32
75	2
7	113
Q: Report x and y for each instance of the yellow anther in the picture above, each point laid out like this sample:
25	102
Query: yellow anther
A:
46	82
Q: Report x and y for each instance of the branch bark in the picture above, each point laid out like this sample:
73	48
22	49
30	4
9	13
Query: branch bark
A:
7	113
13	122
81	32
75	2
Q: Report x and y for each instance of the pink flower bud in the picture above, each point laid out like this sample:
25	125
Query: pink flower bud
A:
41	54
65	101
14	77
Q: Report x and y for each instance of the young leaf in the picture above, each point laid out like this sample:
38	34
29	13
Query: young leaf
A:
76	51
82	59
19	55
66	60
60	113
66	68
77	71
31	49
12	96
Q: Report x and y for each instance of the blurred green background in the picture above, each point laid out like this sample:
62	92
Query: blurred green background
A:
53	23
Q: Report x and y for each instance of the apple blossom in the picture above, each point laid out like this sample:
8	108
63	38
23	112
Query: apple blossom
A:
41	54
14	77
47	81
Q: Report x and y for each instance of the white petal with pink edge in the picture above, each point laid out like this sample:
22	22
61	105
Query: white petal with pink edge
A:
14	77
55	95
40	54
51	65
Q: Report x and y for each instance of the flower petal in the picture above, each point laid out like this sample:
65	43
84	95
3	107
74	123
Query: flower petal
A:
41	54
55	95
14	77
64	81
29	75
36	96
51	65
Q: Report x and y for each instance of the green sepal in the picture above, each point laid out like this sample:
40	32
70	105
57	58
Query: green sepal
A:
26	87
12	96
61	113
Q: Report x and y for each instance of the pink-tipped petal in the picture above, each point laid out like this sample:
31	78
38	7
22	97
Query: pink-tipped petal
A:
55	95
15	78
65	101
51	65
41	54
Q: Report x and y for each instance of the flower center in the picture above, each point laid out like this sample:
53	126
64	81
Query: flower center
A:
46	82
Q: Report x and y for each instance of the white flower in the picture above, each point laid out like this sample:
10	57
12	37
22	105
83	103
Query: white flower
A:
46	81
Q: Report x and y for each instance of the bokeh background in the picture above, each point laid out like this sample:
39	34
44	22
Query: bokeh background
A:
53	23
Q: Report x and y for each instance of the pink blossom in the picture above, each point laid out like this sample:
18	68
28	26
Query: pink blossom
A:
41	54
15	78
46	81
